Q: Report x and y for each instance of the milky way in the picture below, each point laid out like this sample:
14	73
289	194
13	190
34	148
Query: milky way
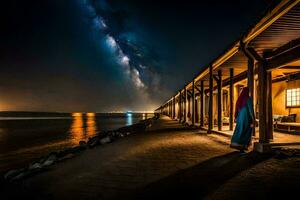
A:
111	30
110	55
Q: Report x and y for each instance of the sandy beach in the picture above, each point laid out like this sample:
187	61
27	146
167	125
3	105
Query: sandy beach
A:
166	160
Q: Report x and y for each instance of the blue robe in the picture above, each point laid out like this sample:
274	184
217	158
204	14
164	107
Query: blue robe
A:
243	131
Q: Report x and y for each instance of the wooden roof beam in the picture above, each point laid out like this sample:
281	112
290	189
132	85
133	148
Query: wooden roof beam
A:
197	88
284	58
280	50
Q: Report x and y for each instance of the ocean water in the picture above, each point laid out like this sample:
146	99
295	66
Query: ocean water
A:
24	139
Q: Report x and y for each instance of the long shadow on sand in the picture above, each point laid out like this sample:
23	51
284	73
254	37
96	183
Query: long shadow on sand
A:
202	179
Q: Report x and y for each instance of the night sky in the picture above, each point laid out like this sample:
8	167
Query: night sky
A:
101	55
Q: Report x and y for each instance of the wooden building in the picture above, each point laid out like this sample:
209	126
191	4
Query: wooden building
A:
267	60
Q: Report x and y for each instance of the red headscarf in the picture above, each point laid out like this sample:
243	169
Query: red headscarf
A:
242	100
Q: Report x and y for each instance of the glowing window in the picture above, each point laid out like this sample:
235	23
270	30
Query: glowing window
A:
293	97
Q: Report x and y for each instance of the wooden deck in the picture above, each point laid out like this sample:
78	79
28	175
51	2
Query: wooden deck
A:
280	138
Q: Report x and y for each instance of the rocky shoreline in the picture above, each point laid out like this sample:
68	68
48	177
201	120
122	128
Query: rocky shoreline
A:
44	163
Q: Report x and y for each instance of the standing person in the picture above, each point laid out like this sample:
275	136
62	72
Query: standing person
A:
244	118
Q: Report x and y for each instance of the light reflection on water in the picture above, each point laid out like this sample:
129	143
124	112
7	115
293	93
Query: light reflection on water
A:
128	119
77	129
82	127
22	141
91	126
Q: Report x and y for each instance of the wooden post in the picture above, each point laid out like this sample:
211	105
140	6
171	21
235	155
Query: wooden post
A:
193	103
197	113
169	109
170	106
174	111
210	111
202	104
262	89
180	117
231	99
189	108
220	95
185	102
269	107
265	108
176	108
250	75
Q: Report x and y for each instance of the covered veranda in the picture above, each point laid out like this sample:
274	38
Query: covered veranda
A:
267	60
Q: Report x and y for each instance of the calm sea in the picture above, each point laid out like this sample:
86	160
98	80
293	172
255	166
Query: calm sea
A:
25	138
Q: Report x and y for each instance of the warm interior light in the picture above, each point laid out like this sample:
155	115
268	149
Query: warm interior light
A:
293	97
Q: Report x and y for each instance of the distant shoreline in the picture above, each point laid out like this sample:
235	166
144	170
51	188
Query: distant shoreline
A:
32	118
62	114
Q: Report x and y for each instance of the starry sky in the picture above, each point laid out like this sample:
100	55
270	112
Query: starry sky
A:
111	55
